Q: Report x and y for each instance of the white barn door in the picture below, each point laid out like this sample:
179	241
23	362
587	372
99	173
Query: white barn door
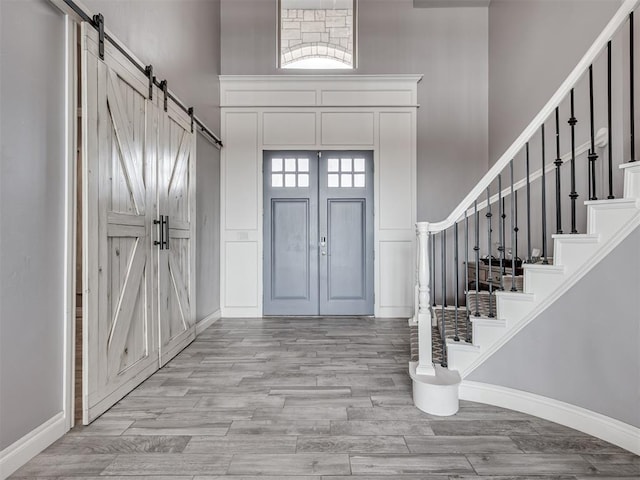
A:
138	233
176	259
120	334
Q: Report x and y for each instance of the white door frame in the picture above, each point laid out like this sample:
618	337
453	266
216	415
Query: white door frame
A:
312	112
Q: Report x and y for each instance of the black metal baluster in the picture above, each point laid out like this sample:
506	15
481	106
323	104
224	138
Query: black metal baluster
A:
558	163
544	201
466	262
517	228
528	205
504	236
514	231
489	215
609	122
501	230
573	195
432	241
456	268
443	323
477	250
632	123
593	156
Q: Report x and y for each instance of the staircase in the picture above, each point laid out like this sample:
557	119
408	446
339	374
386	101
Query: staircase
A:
458	324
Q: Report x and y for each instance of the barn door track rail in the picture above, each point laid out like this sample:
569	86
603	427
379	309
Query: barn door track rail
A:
97	22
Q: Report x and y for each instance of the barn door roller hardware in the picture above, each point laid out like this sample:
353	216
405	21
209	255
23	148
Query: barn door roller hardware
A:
191	116
97	22
164	88
149	71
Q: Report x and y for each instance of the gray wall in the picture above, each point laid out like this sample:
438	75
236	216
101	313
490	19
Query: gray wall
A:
31	215
208	229
448	46
583	349
533	45
181	39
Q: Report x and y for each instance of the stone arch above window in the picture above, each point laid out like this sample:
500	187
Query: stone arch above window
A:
317	32
335	56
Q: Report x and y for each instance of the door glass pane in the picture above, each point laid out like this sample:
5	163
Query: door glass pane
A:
345	180
333	165
276	180
290	180
358	164
333	180
276	165
346	165
358	180
303	180
289	164
303	164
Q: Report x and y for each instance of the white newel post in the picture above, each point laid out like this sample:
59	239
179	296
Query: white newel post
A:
425	363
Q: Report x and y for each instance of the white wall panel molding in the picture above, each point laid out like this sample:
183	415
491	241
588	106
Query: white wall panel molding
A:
289	128
333	112
347	128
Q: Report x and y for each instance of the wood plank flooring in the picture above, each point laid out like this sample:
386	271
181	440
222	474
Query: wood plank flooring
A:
312	399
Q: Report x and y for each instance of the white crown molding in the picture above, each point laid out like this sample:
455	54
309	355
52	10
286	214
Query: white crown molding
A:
294	91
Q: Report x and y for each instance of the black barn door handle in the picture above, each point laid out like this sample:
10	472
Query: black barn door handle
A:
160	222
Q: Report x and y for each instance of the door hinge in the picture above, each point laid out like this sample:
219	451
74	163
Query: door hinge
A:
319	154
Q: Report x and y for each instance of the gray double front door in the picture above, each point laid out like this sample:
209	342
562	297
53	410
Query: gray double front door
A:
318	233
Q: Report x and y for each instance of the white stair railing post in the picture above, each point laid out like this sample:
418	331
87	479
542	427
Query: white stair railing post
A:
425	360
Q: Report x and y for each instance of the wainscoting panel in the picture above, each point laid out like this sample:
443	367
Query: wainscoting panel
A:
240	176
344	128
289	128
397	171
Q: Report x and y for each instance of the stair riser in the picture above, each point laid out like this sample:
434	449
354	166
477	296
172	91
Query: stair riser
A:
572	255
542	283
513	310
632	182
460	358
608	221
486	335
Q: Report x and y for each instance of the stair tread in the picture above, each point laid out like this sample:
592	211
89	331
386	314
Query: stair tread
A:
577	236
613	201
544	267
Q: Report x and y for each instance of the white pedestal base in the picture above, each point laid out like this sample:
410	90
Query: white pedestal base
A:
436	394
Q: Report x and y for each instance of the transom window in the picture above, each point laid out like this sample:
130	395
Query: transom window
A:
317	34
290	172
346	172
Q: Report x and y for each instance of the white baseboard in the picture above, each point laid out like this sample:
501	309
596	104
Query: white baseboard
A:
207	321
609	429
20	452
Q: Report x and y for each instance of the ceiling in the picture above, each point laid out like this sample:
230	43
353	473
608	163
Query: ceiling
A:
450	3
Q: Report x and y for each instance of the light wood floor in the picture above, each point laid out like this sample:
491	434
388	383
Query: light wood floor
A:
303	399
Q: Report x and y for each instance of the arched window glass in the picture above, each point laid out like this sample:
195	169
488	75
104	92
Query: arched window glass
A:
317	34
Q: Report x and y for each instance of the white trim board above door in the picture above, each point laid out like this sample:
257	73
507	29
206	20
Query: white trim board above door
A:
308	112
